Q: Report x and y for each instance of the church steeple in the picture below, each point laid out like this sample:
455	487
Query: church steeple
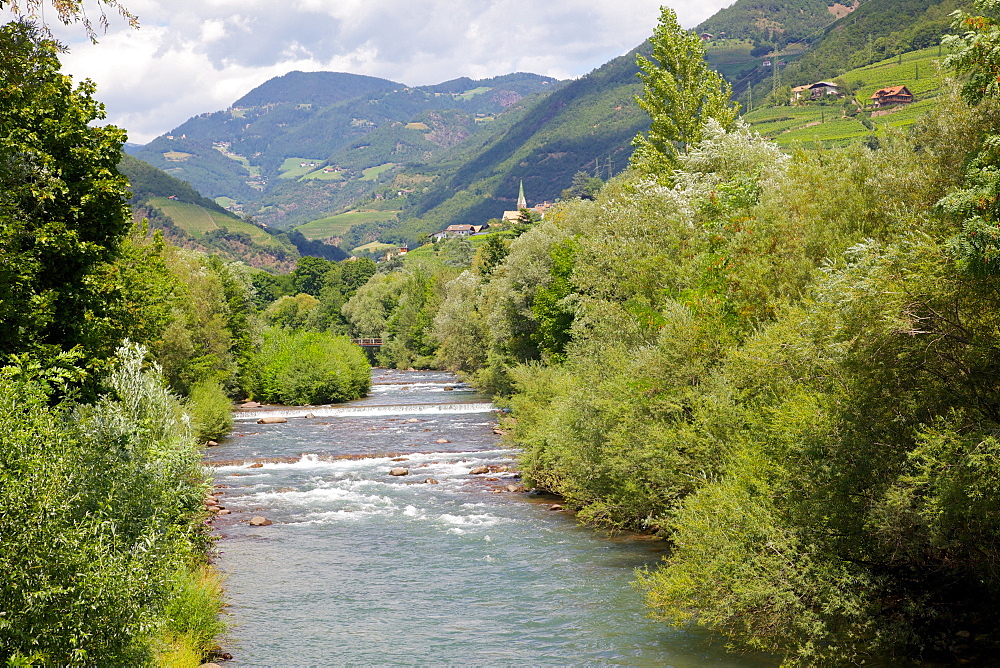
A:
521	202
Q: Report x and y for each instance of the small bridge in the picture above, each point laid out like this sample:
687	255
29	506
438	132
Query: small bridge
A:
367	343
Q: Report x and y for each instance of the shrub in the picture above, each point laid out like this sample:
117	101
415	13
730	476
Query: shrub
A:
99	510
296	368
210	410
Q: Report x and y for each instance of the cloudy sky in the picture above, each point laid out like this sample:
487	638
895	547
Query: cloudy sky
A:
194	56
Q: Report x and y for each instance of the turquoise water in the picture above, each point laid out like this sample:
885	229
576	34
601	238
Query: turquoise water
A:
363	568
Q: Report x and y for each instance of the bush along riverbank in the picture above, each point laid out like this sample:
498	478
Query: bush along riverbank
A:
103	542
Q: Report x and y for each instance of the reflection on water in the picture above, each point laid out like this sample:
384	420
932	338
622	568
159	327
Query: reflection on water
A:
438	566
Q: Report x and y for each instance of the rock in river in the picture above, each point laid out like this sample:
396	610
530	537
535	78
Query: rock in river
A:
399	470
479	470
260	521
271	420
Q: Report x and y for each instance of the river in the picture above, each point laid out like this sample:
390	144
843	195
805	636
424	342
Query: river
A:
363	567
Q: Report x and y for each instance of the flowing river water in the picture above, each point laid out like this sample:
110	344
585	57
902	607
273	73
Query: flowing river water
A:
360	567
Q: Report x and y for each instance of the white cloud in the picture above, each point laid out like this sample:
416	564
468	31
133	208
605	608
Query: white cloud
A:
194	56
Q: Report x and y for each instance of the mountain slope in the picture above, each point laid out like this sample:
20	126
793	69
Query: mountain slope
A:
588	125
335	122
768	22
191	221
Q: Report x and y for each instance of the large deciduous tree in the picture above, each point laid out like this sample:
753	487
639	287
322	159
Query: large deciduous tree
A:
680	94
63	203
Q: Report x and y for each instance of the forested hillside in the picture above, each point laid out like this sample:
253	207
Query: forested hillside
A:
877	30
191	221
775	22
586	126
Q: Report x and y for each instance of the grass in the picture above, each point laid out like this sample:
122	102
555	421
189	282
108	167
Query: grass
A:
469	94
417	126
373	247
193	620
335	226
177	156
198	221
429	251
322	175
373	173
292	168
252	170
890	72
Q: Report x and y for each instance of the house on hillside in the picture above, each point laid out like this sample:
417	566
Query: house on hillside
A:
820	89
459	231
707	37
396	252
799	93
887	97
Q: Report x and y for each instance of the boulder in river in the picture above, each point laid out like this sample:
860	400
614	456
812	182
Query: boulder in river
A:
309	416
272	420
250	404
399	470
211	444
448	388
260	521
442	440
431	481
413	420
479	470
556	506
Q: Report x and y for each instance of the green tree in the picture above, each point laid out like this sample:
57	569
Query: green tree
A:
583	186
63	203
976	51
977	55
308	274
680	94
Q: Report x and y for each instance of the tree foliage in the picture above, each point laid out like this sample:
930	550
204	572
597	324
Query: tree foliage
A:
680	93
63	204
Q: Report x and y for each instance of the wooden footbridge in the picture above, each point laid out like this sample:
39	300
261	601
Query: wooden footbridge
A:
367	343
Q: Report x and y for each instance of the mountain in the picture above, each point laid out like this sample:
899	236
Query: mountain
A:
191	221
354	159
321	133
588	125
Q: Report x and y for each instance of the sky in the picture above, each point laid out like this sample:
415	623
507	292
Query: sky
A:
194	56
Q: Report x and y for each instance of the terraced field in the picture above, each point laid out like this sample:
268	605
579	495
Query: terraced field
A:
335	226
198	221
790	125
